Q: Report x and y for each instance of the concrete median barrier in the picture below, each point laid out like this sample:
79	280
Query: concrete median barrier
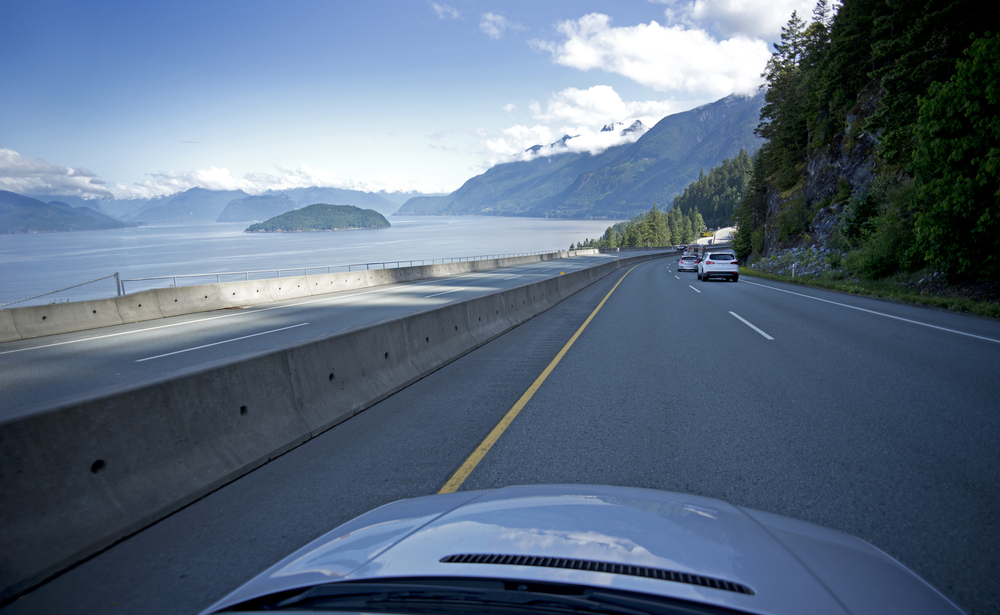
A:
77	477
8	332
181	300
41	320
250	292
140	306
289	288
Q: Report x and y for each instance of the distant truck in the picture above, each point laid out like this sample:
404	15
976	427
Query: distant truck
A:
698	250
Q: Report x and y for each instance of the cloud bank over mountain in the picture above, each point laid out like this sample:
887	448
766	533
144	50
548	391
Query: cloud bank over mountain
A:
25	175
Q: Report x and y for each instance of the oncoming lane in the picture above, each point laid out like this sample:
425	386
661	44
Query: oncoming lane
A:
40	370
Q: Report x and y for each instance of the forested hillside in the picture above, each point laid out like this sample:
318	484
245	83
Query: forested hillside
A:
718	194
882	128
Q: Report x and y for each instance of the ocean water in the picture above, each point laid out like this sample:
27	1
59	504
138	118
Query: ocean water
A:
34	264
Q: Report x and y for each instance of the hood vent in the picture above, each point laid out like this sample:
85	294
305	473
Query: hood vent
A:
591	566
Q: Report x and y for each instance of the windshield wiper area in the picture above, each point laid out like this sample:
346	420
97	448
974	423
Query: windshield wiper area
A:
451	596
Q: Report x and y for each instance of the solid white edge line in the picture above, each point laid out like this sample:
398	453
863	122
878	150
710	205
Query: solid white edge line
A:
693	288
747	323
915	322
454	290
235	339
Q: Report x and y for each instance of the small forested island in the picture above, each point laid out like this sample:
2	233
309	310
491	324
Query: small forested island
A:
321	217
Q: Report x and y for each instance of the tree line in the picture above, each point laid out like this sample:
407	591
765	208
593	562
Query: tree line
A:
654	228
922	77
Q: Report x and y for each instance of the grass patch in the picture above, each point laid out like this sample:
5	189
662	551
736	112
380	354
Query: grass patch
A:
889	290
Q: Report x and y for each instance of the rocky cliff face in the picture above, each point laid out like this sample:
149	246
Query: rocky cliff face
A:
846	166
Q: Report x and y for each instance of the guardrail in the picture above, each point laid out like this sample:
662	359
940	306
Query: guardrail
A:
84	291
233	276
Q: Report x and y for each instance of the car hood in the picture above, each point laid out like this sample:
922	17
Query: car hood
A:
718	553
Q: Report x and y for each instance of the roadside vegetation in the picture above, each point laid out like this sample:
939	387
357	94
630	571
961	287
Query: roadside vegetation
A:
892	173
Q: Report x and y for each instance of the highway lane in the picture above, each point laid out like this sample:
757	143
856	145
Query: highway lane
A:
879	427
39	371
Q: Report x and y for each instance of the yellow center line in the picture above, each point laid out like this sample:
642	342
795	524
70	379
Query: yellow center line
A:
484	447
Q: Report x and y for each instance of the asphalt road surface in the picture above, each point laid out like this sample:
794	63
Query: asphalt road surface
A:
872	418
37	372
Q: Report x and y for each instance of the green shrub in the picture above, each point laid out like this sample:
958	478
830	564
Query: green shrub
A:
793	219
886	247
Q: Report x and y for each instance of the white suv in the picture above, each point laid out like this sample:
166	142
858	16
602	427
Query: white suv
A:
718	265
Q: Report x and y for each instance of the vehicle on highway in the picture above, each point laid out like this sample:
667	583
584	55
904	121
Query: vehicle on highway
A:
584	549
687	263
719	265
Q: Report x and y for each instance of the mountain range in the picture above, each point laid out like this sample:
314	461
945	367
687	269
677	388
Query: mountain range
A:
198	205
22	214
616	183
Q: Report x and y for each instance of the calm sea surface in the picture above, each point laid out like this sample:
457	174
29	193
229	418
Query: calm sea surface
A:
35	264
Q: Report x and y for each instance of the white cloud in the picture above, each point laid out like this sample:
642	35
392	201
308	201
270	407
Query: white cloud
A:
665	58
597	106
509	107
519	142
749	18
578	113
444	11
516	139
494	25
171	182
26	175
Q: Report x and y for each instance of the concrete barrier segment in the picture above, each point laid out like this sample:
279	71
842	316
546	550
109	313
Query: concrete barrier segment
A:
248	292
35	321
78	478
140	306
325	283
179	300
8	332
294	287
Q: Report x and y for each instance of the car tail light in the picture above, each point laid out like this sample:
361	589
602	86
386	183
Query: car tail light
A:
709	263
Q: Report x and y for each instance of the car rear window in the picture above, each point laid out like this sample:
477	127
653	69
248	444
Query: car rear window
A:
723	257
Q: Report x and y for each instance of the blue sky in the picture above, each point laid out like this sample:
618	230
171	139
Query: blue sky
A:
137	99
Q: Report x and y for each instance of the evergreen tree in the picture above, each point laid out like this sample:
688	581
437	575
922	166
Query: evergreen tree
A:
957	165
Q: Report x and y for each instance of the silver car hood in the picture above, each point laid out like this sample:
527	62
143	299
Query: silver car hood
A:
788	566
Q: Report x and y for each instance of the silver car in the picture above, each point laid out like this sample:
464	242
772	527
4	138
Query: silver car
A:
584	549
688	263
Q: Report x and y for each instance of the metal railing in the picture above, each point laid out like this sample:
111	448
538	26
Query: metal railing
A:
101	288
263	274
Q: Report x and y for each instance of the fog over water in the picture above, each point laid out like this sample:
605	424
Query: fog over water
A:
39	263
